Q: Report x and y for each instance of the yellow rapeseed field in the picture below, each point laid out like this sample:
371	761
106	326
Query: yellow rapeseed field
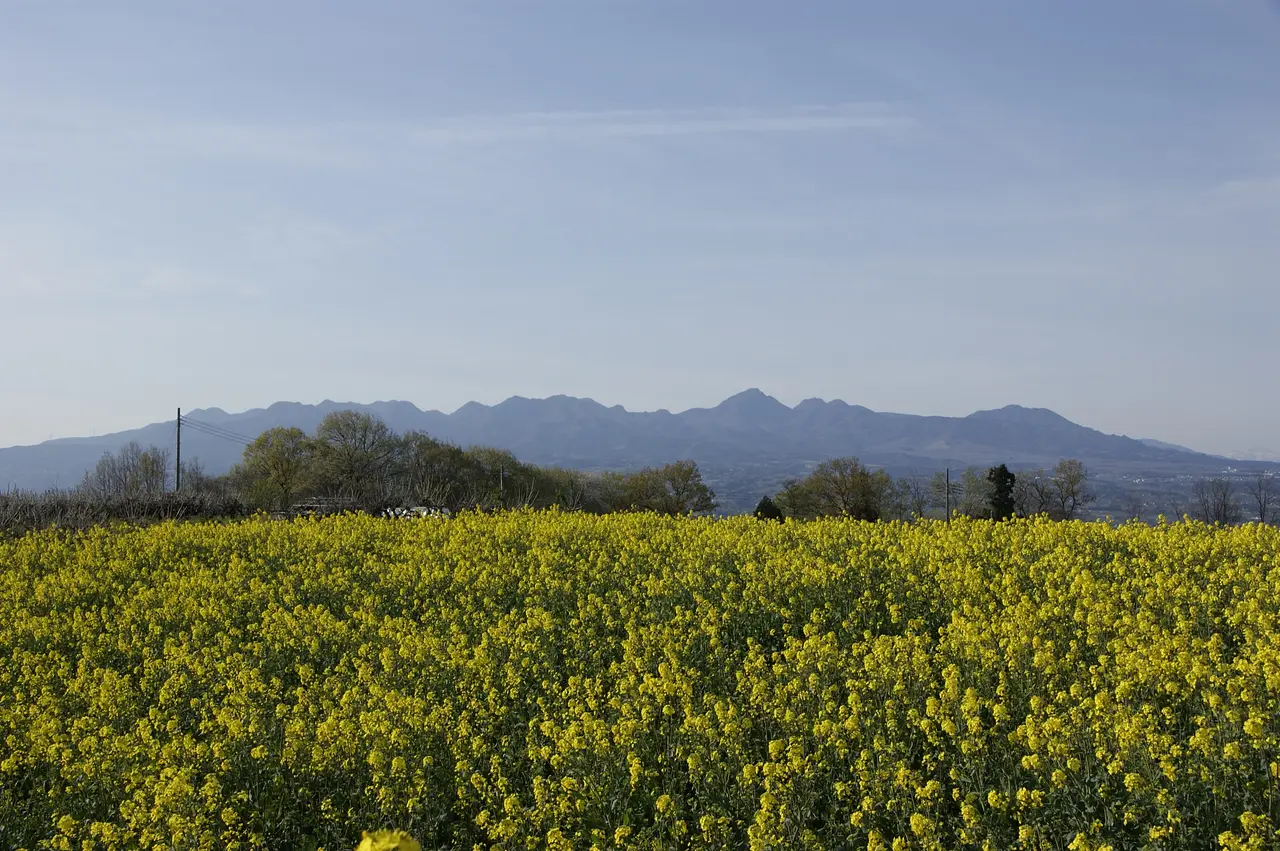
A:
566	681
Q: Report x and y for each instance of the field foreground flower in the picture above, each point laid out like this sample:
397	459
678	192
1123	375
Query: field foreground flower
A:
542	680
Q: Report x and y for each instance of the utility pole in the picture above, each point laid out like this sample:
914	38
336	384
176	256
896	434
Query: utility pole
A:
177	475
948	496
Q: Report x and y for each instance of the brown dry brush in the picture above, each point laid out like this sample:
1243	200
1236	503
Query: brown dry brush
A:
26	511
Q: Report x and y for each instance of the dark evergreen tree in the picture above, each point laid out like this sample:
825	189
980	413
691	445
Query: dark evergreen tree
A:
767	509
1001	500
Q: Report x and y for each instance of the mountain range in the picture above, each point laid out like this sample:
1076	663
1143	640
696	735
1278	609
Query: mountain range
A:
747	445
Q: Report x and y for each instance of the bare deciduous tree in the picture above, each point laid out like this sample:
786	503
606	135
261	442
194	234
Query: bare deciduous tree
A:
433	474
1134	506
1264	492
1033	493
1216	501
132	472
571	489
897	504
355	452
196	481
917	494
1176	507
975	493
945	491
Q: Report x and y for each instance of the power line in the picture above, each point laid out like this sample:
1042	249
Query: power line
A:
200	427
216	431
205	430
226	431
234	440
219	436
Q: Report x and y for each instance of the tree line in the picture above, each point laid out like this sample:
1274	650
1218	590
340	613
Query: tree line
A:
355	461
1216	500
846	487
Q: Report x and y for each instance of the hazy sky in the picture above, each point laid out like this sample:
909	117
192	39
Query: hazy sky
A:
920	207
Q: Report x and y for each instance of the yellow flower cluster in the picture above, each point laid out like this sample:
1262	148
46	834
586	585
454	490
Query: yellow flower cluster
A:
388	840
542	680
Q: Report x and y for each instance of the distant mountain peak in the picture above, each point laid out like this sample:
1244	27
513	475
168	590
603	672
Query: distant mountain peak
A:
395	407
471	408
751	399
750	408
750	393
577	402
1020	415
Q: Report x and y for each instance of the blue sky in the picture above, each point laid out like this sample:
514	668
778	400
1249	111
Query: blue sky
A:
920	207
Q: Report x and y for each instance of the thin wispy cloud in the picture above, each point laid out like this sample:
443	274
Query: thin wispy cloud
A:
346	144
576	126
1249	191
54	133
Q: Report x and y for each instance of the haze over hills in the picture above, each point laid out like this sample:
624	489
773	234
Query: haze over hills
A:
1263	455
747	445
1160	444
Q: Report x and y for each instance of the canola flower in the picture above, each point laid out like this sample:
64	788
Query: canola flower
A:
542	680
388	840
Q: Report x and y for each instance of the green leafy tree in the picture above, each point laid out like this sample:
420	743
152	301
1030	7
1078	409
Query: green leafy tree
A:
276	468
838	487
1000	499
674	489
684	490
441	475
1070	489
